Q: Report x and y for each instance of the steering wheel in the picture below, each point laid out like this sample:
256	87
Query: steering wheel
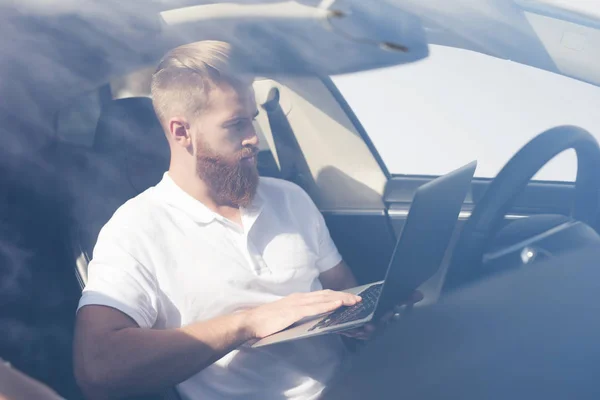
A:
487	217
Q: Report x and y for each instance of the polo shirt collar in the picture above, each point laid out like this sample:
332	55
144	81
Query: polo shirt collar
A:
177	197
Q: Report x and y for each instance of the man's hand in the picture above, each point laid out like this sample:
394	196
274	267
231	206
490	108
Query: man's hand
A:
366	331
273	317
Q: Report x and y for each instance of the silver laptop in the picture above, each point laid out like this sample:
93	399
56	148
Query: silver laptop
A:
417	256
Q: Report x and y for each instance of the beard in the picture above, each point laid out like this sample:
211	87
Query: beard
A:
231	181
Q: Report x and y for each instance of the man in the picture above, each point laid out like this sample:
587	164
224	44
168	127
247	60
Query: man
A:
188	273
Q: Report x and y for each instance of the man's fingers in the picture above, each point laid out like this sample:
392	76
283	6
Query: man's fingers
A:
320	308
324	296
323	301
347	298
350	300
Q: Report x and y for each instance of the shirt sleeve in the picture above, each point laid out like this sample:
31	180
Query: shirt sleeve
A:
117	279
328	255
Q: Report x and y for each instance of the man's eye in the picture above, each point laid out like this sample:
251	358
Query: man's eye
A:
240	124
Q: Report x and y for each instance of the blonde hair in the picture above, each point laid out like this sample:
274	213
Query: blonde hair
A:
186	74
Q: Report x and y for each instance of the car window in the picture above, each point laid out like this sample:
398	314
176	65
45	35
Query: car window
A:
435	115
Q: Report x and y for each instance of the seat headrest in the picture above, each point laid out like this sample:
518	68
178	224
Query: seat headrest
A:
131	139
130	125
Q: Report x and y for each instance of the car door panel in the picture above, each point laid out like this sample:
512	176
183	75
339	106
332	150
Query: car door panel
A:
365	239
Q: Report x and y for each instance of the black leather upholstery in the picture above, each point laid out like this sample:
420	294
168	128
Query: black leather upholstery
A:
130	154
129	133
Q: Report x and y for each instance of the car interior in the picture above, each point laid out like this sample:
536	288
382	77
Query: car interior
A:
97	143
128	154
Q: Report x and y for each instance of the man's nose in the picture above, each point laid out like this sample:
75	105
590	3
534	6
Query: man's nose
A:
251	139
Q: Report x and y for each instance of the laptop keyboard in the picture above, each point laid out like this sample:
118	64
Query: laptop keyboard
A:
353	313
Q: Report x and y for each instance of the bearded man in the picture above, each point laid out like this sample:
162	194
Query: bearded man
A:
187	274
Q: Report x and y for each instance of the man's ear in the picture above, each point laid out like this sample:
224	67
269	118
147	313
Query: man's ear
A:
179	131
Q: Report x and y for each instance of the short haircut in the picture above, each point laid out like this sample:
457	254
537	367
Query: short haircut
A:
186	74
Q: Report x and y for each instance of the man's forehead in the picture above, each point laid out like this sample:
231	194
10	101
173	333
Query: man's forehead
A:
232	100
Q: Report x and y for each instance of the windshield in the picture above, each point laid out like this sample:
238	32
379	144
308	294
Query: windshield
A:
494	79
456	106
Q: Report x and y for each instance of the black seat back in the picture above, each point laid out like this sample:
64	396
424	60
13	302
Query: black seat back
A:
130	154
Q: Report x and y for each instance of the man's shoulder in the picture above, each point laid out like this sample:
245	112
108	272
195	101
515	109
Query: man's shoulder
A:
137	212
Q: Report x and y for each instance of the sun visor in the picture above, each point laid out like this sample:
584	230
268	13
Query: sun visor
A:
331	38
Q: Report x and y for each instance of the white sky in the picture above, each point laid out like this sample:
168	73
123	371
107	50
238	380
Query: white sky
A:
438	114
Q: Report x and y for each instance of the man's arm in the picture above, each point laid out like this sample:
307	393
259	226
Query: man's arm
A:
115	358
339	277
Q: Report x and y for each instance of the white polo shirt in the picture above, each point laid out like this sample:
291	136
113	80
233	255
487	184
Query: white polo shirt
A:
167	261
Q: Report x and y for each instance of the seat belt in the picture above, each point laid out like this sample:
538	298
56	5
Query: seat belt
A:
292	163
